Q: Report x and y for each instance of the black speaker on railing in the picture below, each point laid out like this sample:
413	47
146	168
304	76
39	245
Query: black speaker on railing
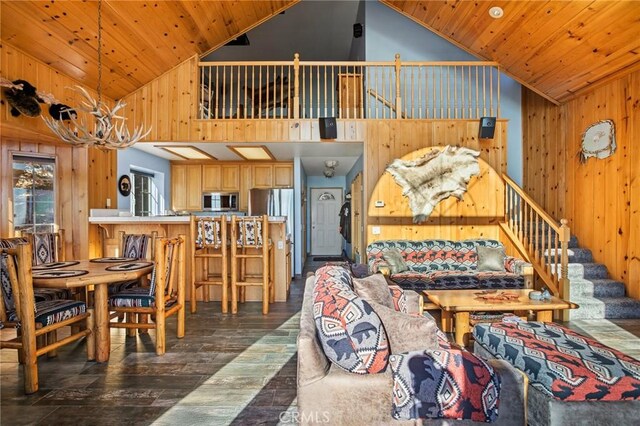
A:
328	128
487	127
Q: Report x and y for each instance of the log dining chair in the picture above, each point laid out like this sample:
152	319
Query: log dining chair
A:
250	240
210	235
133	246
34	319
163	298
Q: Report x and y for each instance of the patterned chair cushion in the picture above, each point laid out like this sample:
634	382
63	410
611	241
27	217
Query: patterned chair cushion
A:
562	363
212	233
439	280
444	383
45	249
350	332
135	246
121	286
7	291
499	280
54	311
134	297
43	294
254	236
411	280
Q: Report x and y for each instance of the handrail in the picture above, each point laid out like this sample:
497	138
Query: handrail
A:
545	240
312	89
384	101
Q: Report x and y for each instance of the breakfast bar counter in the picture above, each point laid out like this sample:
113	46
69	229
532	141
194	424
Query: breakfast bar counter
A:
172	226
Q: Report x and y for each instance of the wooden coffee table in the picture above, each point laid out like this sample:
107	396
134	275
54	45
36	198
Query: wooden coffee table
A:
460	303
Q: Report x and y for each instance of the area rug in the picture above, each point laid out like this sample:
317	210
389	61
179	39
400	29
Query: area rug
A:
328	258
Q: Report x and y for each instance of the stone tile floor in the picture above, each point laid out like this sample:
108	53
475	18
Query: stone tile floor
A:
238	370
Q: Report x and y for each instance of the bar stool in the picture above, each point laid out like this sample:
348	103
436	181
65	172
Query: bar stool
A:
210	234
251	233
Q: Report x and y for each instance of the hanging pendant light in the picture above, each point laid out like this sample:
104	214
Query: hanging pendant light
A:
108	130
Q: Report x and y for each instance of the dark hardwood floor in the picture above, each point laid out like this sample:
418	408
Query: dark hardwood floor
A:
229	369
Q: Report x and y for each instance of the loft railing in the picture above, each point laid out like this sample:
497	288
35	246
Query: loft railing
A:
542	238
349	90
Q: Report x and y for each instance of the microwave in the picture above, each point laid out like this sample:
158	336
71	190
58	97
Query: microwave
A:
220	201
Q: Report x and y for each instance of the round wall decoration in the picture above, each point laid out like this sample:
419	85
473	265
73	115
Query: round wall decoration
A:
598	140
124	185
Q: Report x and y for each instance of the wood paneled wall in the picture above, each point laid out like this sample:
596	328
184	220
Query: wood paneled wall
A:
474	217
601	198
85	176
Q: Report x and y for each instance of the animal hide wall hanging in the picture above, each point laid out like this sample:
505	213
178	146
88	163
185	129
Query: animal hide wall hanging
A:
599	140
434	177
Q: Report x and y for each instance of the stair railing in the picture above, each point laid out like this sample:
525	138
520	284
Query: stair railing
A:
542	238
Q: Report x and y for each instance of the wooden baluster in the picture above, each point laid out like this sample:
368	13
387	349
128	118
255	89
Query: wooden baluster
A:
564	285
202	110
484	91
543	246
333	90
296	85
448	92
531	236
253	91
310	91
536	240
441	95
477	93
398	91
555	255
289	92
224	92
361	89
376	102
325	91
244	100
318	89
259	88
217	90
491	91
433	92
355	93
549	245
238	94
368	80
304	91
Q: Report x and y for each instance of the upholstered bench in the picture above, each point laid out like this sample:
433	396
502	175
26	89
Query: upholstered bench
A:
574	380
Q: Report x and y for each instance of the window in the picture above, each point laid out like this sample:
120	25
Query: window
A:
34	201
145	194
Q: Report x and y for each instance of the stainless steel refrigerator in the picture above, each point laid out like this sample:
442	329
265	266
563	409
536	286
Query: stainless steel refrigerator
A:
275	202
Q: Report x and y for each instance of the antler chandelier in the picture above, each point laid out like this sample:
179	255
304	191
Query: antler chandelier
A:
108	130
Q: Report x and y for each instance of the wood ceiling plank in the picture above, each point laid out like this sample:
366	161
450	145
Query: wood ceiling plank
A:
205	18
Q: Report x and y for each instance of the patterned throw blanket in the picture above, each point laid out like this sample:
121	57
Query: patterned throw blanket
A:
449	383
562	363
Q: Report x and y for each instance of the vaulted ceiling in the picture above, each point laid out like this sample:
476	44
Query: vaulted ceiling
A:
141	39
554	47
557	48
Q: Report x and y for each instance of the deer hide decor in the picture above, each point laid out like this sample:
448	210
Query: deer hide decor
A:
434	177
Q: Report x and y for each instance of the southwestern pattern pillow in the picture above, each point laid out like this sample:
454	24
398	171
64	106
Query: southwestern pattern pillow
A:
393	257
399	299
444	384
351	334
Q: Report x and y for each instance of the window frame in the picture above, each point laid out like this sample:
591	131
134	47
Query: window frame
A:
154	202
56	185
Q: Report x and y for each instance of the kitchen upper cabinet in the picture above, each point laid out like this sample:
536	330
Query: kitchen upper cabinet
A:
246	173
231	178
186	187
211	177
263	176
283	175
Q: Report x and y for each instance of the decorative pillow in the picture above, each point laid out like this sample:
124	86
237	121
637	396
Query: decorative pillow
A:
491	259
394	258
374	289
399	299
351	334
444	384
406	332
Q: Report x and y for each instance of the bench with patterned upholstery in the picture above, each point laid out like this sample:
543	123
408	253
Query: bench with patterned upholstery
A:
444	264
572	377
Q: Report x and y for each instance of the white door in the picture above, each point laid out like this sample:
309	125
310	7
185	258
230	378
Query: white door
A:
325	221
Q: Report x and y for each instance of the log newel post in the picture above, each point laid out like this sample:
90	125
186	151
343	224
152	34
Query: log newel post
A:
398	97
296	85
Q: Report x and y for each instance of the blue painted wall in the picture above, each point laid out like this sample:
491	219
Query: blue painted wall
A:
388	33
141	160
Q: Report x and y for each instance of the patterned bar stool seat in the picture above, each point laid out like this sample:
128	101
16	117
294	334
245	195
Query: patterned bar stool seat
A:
34	320
250	240
210	235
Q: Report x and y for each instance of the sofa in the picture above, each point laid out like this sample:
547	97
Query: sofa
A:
444	264
329	394
573	379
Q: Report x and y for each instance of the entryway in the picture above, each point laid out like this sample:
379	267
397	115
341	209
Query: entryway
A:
325	209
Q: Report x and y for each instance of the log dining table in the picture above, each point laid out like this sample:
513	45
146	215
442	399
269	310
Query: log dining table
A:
100	273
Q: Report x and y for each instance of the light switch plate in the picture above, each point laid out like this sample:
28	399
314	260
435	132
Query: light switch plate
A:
375	230
280	245
379	203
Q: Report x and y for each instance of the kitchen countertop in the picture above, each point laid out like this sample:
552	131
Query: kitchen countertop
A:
108	220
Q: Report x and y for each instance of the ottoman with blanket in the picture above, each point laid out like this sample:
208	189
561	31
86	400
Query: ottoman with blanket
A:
367	357
574	380
447	265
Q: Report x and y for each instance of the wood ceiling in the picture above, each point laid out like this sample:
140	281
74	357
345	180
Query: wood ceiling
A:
141	39
556	48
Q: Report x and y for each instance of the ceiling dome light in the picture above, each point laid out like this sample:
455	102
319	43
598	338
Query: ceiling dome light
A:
496	12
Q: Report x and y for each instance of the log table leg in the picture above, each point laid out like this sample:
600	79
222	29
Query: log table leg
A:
103	339
544	316
446	321
462	328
